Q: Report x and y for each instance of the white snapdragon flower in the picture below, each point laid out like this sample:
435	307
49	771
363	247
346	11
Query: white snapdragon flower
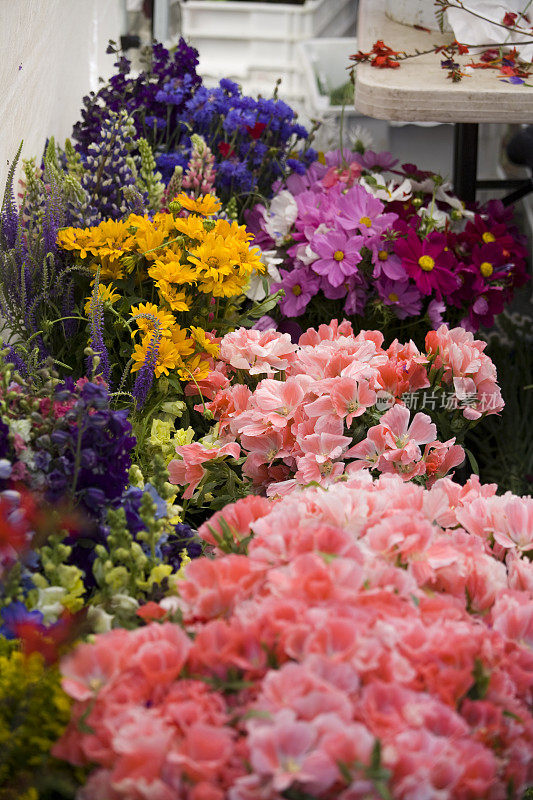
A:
22	427
49	603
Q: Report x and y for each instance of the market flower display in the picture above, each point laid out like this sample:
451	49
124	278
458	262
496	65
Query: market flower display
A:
338	402
375	641
245	549
360	236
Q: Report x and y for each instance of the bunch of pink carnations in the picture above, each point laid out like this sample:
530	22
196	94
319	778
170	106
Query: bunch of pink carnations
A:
361	237
376	641
338	402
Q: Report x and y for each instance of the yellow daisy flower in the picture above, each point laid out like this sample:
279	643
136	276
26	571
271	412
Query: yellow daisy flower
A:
207	205
176	299
172	272
195	366
166	318
213	257
232	229
200	336
179	338
168	356
149	240
191	226
231	286
111	268
106	294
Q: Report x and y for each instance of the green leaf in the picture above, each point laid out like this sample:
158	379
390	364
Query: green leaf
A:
472	460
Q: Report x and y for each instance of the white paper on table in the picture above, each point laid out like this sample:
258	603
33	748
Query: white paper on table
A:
471	30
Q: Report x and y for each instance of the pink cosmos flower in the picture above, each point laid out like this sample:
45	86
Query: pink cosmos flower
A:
402	296
299	285
338	254
360	211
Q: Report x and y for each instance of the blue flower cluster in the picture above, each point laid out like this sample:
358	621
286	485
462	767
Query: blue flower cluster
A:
107	170
251	139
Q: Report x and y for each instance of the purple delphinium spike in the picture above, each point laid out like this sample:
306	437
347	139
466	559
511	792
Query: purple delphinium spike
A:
145	375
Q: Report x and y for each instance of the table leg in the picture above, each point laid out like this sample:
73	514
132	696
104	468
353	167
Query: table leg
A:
465	141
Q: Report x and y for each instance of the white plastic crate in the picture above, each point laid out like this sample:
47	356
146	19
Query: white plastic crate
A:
255	43
324	62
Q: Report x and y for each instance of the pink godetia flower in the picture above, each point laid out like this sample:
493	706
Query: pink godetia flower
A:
257	351
339	255
189	470
514	524
440	458
348	398
238	517
428	262
466	366
323	438
346	175
277	402
393	445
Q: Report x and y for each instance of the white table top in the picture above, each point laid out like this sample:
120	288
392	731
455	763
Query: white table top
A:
419	89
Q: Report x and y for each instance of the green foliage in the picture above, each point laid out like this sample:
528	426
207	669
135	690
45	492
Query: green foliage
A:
503	444
149	179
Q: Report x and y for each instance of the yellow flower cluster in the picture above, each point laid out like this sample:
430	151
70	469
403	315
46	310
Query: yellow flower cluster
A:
180	265
34	711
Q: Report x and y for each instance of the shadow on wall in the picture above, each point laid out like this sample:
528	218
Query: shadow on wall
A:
52	54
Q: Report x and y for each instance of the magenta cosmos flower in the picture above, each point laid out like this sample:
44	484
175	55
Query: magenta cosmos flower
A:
338	254
428	262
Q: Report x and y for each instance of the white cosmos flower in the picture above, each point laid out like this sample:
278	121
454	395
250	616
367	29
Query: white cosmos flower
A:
280	216
255	290
387	191
440	218
443	195
360	136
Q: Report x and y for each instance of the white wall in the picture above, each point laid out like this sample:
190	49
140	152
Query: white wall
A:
51	54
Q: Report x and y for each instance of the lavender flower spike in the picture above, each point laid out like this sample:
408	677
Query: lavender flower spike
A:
97	343
145	375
